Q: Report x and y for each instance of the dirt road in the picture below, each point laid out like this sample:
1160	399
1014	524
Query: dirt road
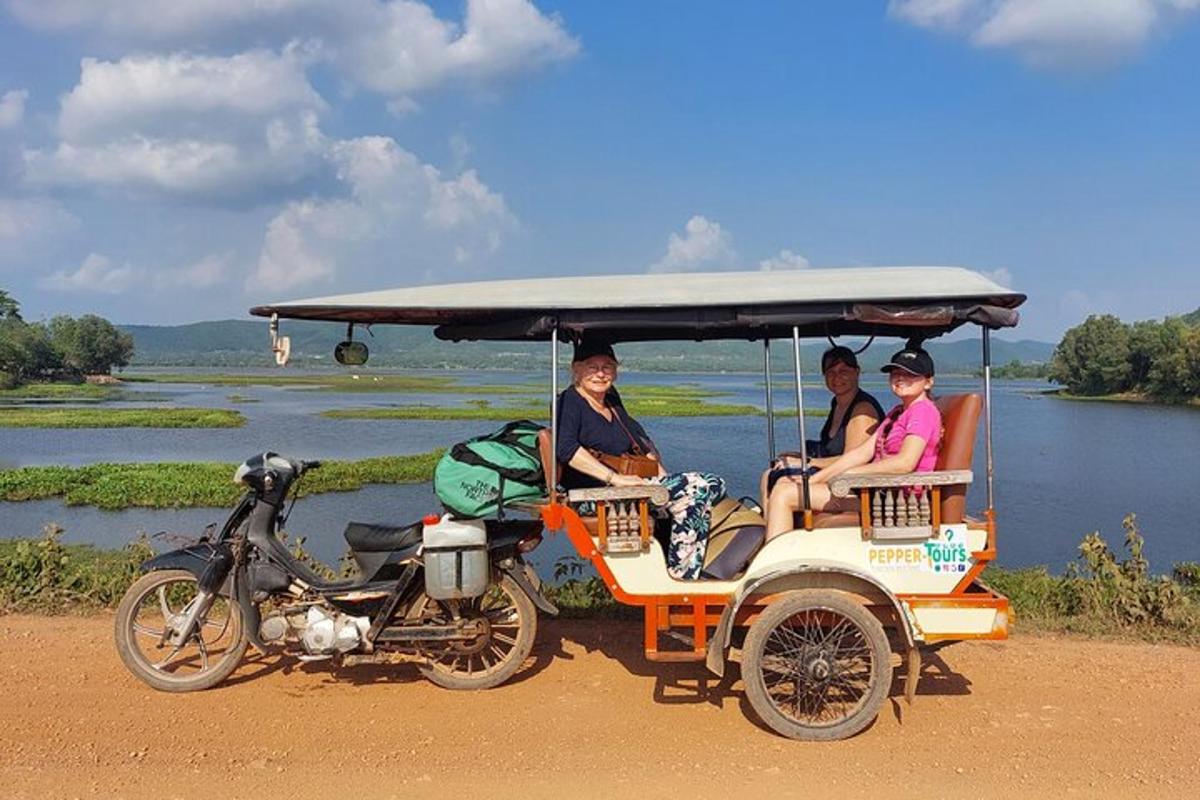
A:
1032	717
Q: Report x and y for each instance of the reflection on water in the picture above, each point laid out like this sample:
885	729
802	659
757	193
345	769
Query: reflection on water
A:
1063	469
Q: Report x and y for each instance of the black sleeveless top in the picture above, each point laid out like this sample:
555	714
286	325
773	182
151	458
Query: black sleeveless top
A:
833	442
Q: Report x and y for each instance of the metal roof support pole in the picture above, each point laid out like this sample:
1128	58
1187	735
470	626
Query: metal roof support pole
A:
552	478
770	404
800	421
987	412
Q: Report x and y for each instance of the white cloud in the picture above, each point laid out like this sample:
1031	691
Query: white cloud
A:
399	211
22	219
12	108
1056	34
169	93
704	245
95	274
396	47
206	273
98	274
185	124
785	259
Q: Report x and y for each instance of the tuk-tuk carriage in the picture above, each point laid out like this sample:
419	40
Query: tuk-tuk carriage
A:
822	614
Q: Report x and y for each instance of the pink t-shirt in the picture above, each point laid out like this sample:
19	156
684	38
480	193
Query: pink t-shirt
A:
922	419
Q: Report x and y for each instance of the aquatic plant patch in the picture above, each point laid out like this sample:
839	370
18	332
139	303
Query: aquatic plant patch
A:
194	484
120	418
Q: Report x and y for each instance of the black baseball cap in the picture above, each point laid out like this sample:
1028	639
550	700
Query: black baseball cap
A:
593	347
913	360
838	353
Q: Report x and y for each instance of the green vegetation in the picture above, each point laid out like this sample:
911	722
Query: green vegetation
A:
60	392
337	383
1158	361
1021	370
194	484
63	347
120	418
484	410
46	576
1103	595
241	398
1100	595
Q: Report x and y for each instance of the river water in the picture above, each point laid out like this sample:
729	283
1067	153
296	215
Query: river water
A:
1063	469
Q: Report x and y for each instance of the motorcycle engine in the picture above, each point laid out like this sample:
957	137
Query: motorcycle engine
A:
325	632
321	631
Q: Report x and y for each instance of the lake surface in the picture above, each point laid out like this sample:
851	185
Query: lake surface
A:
1063	469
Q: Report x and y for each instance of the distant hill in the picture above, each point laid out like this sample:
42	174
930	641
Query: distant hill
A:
246	343
1192	318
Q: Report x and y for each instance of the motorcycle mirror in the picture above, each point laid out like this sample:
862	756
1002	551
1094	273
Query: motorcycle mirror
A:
351	354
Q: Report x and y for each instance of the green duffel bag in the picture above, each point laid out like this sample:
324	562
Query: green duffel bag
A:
477	477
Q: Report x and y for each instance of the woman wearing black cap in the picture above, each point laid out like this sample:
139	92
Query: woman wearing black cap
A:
591	418
853	416
906	441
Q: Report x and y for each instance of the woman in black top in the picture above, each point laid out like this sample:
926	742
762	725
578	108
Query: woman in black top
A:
853	416
591	418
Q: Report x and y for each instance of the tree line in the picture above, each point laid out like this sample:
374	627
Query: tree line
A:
65	348
1103	355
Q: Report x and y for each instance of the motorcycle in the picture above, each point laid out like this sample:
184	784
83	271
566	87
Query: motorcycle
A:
455	596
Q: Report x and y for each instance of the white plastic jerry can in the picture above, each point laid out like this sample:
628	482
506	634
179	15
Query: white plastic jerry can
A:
455	555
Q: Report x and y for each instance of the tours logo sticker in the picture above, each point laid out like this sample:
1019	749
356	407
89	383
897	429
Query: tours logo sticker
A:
948	554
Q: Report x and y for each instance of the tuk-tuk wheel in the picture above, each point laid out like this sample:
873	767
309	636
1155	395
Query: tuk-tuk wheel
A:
817	665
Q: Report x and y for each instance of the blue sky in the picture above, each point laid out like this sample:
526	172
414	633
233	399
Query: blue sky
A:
181	162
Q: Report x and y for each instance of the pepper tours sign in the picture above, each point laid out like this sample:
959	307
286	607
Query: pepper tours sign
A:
948	553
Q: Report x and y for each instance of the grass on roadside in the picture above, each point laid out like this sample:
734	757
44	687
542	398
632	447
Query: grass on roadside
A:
194	484
120	418
1103	595
1100	595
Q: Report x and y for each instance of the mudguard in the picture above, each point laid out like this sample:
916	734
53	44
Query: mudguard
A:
210	563
718	644
529	582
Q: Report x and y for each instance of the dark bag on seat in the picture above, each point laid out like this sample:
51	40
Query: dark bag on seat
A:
735	534
476	477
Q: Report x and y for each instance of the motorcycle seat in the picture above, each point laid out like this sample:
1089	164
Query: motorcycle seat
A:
365	537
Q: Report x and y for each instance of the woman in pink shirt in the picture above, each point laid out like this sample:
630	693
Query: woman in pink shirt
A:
905	441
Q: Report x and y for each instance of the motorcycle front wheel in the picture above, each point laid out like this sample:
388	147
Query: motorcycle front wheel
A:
148	618
498	655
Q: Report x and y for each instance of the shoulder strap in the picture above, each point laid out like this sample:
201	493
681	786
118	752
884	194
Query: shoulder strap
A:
636	447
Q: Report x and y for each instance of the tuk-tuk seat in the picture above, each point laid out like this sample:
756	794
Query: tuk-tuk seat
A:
960	425
546	453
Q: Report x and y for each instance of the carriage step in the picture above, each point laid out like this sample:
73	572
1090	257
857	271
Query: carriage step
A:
675	656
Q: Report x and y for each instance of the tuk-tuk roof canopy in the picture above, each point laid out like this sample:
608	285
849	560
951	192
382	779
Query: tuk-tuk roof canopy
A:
898	301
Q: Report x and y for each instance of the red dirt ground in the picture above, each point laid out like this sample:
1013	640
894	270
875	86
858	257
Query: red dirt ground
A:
1033	717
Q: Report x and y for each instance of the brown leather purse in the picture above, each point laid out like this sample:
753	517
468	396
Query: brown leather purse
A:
629	464
635	462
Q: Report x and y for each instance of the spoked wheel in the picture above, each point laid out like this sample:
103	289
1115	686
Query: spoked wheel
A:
817	666
510	624
148	620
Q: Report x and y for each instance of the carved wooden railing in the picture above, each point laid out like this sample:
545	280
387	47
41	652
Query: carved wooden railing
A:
623	523
890	510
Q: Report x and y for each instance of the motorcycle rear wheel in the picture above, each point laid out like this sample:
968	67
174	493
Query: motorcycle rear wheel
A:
143	625
512	619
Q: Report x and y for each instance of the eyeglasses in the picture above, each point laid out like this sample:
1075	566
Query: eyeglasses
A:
610	369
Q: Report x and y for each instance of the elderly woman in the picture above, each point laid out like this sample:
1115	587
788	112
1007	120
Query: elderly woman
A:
906	441
853	416
592	419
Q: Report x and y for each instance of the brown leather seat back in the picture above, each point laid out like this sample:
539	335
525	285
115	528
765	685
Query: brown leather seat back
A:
546	452
960	423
